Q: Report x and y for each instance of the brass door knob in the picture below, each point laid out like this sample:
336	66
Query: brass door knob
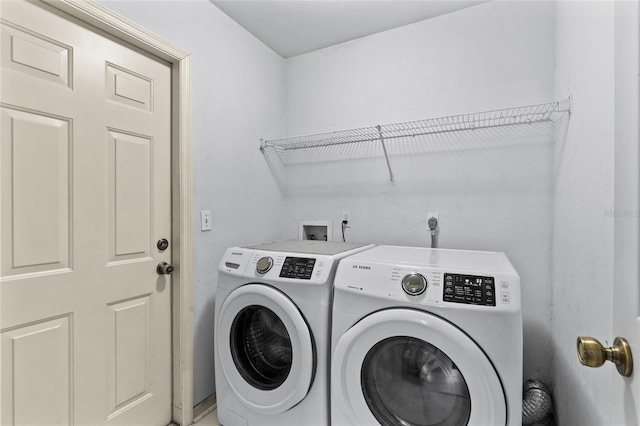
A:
592	354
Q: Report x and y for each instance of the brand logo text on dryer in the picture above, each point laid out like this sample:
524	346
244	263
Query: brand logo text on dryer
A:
361	267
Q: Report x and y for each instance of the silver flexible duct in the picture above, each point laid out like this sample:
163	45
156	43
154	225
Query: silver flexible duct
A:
536	404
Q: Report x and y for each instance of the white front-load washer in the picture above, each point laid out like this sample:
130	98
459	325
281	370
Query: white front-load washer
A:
426	337
272	333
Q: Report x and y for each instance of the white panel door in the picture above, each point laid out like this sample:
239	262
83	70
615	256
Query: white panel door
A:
626	408
85	195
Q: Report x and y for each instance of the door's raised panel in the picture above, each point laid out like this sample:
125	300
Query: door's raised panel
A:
36	202
35	55
130	192
36	373
130	354
129	88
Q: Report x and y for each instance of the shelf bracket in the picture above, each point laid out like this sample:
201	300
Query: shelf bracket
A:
384	149
565	105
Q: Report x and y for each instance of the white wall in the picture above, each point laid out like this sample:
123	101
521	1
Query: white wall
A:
489	56
495	196
583	231
238	95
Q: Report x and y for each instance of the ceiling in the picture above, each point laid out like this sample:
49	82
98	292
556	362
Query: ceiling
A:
294	27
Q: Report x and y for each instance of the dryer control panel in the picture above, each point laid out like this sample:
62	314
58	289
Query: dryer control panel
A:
470	289
456	279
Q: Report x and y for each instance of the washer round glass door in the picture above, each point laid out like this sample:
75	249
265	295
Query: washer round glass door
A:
261	347
266	349
408	367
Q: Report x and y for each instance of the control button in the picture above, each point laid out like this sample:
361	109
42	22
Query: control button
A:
414	284
264	265
504	284
505	297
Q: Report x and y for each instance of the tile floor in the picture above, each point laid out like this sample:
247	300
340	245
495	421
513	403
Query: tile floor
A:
210	419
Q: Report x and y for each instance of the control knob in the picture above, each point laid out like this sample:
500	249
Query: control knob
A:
264	265
414	284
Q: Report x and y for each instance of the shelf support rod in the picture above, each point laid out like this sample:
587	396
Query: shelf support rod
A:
384	149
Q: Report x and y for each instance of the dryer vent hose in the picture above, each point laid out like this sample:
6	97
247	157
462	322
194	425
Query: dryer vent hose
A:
537	404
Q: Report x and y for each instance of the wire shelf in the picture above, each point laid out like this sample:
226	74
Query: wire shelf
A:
454	123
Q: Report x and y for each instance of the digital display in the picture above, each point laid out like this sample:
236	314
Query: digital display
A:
297	267
469	289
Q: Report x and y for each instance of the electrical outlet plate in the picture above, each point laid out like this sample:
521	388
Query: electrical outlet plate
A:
346	216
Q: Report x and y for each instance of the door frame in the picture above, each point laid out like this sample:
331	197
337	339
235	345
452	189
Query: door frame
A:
626	276
92	13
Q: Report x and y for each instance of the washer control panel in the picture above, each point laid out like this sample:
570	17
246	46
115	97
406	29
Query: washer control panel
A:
310	264
289	267
469	289
297	267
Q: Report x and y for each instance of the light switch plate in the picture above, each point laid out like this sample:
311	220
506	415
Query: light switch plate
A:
205	220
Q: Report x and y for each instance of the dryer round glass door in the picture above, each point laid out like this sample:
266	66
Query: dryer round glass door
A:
403	366
266	349
411	382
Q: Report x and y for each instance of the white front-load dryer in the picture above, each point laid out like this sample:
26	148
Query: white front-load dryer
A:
426	337
272	332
